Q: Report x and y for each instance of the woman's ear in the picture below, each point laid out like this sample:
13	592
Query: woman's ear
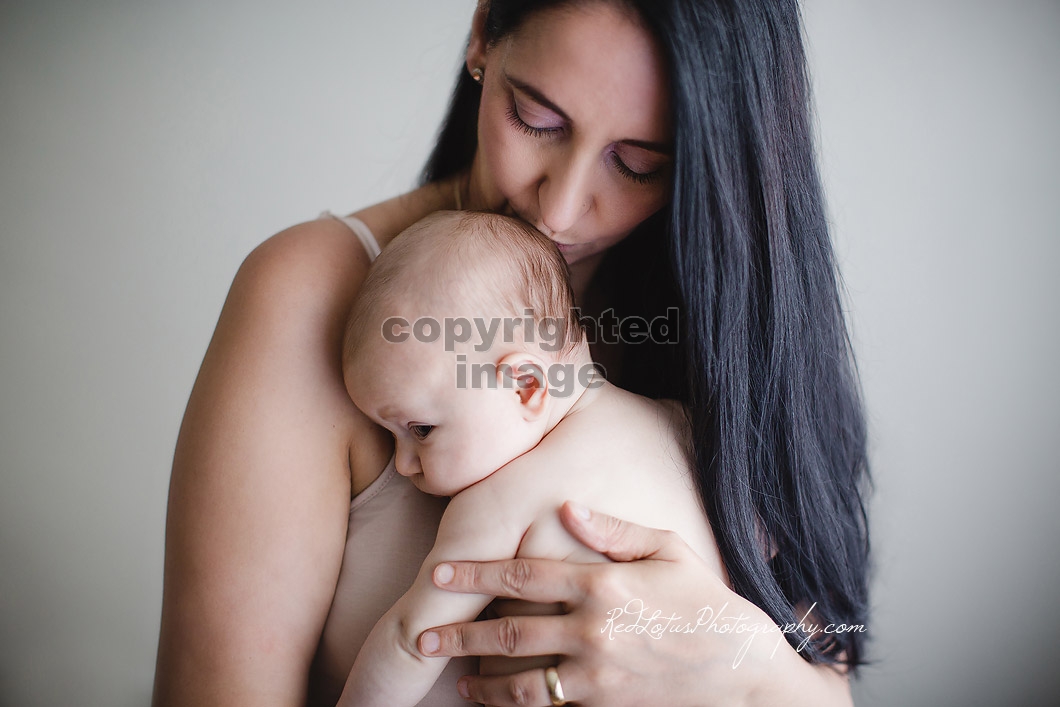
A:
524	374
476	46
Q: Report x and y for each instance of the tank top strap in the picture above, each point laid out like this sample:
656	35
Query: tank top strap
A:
361	230
376	487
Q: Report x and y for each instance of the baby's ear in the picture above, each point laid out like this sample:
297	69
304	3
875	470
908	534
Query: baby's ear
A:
524	374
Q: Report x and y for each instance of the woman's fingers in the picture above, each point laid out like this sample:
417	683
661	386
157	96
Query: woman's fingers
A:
540	581
515	636
547	581
620	540
521	689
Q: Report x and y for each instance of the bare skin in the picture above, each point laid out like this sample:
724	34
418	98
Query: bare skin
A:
269	455
254	541
271	449
684	669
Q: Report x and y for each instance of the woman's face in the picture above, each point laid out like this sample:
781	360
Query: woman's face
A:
574	128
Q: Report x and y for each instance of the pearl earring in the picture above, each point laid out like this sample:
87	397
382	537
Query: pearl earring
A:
476	74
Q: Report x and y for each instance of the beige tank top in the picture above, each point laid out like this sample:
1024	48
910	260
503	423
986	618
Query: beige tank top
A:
391	530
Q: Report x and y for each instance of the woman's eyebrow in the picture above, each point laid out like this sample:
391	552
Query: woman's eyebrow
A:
537	96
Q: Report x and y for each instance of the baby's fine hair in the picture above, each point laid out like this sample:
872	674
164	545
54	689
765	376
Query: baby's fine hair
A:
474	264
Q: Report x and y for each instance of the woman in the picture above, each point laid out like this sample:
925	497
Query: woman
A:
666	147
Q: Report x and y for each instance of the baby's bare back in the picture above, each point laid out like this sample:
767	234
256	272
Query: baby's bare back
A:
622	454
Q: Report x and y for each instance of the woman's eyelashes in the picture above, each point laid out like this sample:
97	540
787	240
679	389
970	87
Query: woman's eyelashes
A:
515	117
638	177
419	431
536	127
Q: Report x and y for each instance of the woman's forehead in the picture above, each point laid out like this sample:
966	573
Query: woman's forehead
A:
597	64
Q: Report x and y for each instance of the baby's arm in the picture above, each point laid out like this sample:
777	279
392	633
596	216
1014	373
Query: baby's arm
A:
389	670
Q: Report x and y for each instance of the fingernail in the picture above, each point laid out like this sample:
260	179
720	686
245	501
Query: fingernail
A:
429	642
444	573
580	510
461	687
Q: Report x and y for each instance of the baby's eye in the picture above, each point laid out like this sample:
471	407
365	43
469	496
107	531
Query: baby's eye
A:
420	431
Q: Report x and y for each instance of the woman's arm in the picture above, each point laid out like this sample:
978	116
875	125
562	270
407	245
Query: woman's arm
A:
260	489
607	659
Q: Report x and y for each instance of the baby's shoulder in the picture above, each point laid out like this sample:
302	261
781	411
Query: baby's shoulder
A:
618	419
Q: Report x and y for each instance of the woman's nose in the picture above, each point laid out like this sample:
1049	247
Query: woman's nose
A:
565	193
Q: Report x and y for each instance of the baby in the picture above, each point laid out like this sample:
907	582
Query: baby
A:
464	345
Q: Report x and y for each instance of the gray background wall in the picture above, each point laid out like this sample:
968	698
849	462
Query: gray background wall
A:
146	147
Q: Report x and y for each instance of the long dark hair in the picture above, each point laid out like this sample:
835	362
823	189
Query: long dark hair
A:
769	377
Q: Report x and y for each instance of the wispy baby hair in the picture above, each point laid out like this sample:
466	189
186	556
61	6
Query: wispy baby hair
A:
472	264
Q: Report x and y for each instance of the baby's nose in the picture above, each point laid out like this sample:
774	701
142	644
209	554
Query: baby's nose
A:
407	464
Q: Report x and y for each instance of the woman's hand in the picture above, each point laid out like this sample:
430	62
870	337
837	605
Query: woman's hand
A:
656	627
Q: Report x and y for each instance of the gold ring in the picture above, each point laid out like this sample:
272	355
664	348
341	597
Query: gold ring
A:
555	689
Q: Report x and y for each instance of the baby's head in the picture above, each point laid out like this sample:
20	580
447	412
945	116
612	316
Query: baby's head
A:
464	344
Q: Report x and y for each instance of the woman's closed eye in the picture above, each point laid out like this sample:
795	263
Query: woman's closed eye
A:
632	174
632	163
420	431
535	122
638	164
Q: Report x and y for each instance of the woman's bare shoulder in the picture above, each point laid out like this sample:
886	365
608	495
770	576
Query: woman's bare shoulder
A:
287	307
276	350
316	264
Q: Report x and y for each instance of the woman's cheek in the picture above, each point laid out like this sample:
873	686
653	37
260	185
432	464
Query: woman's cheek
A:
627	208
508	157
